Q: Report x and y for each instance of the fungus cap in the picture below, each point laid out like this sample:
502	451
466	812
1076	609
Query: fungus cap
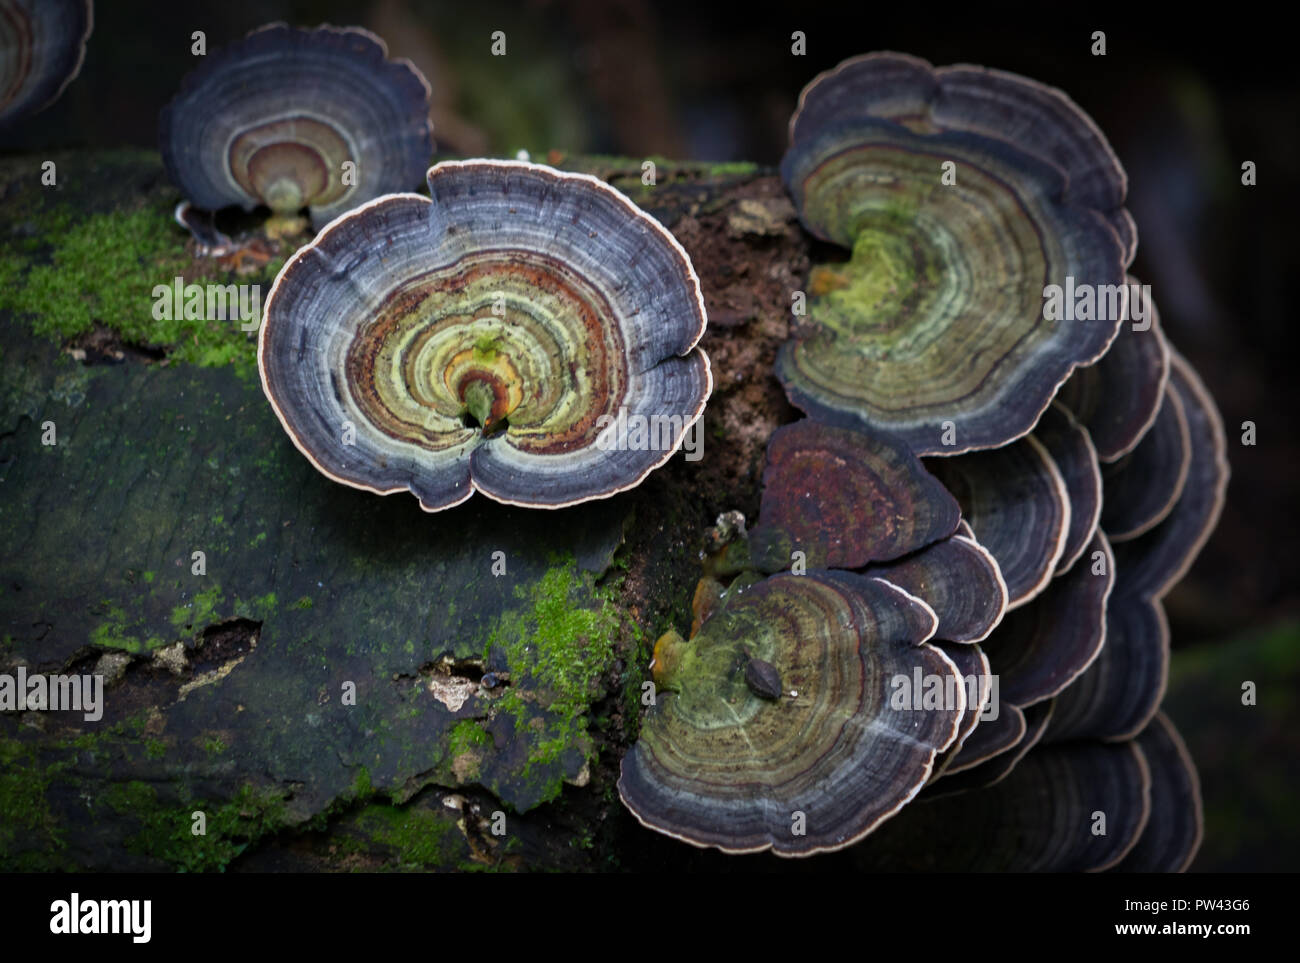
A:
276	118
1142	487
990	738
1120	692
973	666
1027	822
1016	502
994	769
1036	118
1174	831
42	46
718	765
941	326
1042	647
958	578
1072	451
508	335
846	496
1118	397
1153	562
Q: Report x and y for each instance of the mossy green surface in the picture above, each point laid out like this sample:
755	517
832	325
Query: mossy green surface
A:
559	646
112	633
666	168
411	837
171	834
30	838
467	736
565	644
87	268
733	169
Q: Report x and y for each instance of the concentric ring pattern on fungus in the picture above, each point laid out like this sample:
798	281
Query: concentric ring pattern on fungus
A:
936	328
526	333
295	118
718	765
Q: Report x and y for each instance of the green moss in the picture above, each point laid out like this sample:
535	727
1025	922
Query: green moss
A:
105	269
112	634
549	750
733	169
201	611
264	606
626	173
565	643
362	787
418	838
167	835
466	736
303	603
29	837
208	606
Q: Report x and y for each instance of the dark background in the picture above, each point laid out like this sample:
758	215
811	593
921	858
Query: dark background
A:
1185	99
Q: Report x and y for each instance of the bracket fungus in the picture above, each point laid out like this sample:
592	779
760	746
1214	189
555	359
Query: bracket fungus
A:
1042	647
293	118
1033	821
959	196
718	765
524	332
997	766
1120	693
845	496
1142	486
1072	451
1153	563
42	46
1018	506
972	664
1173	833
994	103
1117	398
959	579
1045	439
990	738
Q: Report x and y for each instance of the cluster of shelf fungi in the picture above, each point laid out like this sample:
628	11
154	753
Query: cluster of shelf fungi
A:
985	501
